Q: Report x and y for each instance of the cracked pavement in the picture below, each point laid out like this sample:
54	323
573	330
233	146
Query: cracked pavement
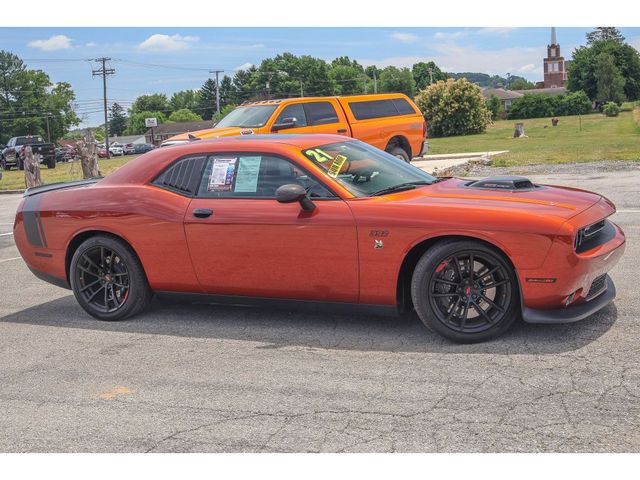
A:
202	378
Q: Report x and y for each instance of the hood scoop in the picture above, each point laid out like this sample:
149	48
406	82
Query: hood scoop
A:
512	183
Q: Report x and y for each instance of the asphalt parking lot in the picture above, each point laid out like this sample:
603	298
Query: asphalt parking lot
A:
196	378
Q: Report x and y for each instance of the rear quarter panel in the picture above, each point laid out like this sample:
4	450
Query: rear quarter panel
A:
148	218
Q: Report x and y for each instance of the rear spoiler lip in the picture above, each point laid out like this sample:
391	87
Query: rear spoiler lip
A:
60	186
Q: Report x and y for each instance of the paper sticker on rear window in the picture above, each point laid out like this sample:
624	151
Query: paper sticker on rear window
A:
221	177
337	164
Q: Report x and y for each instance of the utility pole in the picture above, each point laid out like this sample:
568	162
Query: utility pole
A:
103	72
301	89
375	82
365	83
48	131
217	72
508	81
430	76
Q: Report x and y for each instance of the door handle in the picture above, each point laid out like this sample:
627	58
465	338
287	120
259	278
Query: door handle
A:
342	130
202	212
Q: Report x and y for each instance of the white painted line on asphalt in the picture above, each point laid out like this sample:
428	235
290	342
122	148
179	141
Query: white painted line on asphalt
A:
5	234
628	210
9	259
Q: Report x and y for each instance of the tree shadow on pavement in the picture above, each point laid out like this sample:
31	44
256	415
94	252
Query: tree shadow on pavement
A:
278	328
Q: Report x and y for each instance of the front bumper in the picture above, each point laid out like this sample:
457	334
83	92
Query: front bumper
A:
572	313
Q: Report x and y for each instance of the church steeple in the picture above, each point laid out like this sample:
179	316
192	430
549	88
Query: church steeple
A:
554	66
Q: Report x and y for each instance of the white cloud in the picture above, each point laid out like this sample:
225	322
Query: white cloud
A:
449	35
244	66
527	68
90	44
55	42
496	30
159	42
404	37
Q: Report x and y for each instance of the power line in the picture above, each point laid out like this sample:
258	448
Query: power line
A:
104	72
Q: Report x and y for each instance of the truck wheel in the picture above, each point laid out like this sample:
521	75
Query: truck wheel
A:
51	163
20	163
399	153
3	162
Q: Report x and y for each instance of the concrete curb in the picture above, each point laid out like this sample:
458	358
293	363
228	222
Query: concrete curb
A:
8	192
458	156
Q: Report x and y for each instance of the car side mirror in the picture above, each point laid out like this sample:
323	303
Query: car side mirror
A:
284	124
291	193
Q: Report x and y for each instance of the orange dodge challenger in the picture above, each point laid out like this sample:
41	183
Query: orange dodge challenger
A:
320	220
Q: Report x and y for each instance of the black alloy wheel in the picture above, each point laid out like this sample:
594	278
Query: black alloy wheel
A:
465	291
108	280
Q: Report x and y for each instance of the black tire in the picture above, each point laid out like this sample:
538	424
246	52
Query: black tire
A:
108	280
51	163
20	163
444	295
4	165
400	153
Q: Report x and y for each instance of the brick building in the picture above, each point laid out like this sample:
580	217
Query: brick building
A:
555	73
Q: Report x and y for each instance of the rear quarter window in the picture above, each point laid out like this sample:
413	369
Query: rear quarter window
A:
381	108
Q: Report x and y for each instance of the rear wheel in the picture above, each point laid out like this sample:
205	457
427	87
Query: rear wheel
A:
108	280
465	291
51	163
20	163
400	153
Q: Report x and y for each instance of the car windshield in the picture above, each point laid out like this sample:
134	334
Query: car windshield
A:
366	171
247	117
28	140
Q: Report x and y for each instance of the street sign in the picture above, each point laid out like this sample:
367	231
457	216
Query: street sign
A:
150	122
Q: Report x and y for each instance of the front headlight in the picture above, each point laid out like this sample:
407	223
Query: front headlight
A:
588	232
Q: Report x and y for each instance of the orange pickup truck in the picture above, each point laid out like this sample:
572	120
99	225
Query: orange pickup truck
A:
390	122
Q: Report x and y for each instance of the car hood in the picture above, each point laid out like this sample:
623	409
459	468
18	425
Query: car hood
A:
210	133
558	201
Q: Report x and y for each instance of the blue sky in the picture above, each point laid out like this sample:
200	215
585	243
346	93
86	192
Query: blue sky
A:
63	53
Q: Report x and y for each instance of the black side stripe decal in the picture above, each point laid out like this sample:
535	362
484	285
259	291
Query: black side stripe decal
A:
33	223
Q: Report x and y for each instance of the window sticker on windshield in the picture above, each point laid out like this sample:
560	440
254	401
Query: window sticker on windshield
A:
247	176
318	155
337	164
221	176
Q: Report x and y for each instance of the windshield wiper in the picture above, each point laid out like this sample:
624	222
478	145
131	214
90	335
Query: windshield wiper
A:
400	187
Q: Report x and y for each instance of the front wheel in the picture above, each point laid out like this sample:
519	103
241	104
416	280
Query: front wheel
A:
108	280
465	291
51	163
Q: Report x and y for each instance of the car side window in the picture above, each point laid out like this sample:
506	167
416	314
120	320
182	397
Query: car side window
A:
254	176
320	113
293	111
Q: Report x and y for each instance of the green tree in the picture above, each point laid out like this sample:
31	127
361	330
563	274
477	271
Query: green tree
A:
348	79
227	92
396	80
207	99
426	73
601	34
609	81
30	103
581	70
184	99
242	84
494	105
137	124
453	107
184	115
117	120
522	84
156	102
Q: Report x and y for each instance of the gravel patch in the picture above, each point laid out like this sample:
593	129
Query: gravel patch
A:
483	168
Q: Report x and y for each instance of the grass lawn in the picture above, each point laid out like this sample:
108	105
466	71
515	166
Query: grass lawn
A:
601	138
64	172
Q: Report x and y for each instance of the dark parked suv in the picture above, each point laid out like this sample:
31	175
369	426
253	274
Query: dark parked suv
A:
13	153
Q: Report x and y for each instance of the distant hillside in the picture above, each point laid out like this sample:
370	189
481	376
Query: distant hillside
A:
483	79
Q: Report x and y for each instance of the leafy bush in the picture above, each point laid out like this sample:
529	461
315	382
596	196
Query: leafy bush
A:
453	107
542	105
611	109
495	107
